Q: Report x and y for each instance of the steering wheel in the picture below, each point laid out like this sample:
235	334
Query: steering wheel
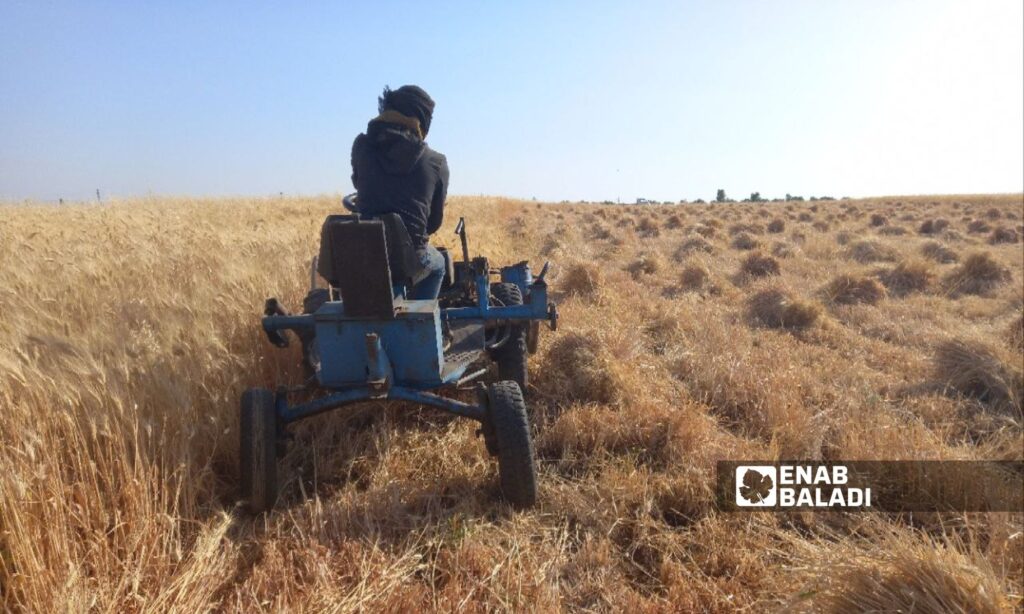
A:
349	201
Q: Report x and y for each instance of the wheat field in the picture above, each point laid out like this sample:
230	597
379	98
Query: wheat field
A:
856	329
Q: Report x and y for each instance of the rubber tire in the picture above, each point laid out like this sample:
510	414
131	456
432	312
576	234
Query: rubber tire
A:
511	356
510	431
258	450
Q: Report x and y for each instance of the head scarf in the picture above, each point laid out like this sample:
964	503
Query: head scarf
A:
408	100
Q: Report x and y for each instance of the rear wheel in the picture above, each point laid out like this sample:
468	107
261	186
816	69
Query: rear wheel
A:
511	355
508	433
258	450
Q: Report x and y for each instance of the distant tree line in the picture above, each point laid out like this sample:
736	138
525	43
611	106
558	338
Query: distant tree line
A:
721	197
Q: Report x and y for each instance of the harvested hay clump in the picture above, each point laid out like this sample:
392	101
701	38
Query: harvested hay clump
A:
581	279
745	241
646	264
648	227
1015	335
907	277
584	432
704	230
930	227
581	368
902	572
937	252
978	274
755	229
757	264
978	226
783	250
692	245
854	289
778	308
871	251
600	232
663	331
776	225
892	231
1003	235
980	372
694	277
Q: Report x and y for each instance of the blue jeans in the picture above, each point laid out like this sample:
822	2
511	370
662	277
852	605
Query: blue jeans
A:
429	286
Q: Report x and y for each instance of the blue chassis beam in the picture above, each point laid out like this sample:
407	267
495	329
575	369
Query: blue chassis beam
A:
515	312
364	393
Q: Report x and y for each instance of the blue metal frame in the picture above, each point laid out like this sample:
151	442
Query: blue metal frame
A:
341	398
380	376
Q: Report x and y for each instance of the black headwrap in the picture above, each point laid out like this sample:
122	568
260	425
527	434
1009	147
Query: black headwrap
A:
408	100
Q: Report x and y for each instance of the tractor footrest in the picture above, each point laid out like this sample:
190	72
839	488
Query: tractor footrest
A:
456	363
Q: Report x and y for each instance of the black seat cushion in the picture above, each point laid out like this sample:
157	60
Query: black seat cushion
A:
354	258
405	267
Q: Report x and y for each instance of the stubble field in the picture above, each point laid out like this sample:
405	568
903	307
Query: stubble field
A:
856	329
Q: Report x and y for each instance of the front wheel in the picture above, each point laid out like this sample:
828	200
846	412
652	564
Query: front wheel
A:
258	450
509	440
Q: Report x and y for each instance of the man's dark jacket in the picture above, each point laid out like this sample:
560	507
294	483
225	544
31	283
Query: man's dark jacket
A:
394	171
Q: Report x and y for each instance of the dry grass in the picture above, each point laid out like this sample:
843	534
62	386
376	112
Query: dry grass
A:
694	277
1015	333
745	241
646	264
1003	235
852	289
939	253
757	264
778	308
871	251
903	572
582	368
130	330
979	273
693	245
982	372
581	279
907	277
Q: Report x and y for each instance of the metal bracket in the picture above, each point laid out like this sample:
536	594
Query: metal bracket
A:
378	367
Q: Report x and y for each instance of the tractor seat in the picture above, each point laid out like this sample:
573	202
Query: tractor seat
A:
366	259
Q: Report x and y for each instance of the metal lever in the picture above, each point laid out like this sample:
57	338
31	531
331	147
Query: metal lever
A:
543	272
460	229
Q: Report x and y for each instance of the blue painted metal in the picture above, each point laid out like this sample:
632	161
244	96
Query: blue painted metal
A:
411	341
378	368
363	393
402	357
535	309
322	404
450	405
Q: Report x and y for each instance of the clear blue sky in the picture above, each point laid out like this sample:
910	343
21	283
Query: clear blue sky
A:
558	100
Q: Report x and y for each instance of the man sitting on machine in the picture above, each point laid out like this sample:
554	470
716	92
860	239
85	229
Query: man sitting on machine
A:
395	171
